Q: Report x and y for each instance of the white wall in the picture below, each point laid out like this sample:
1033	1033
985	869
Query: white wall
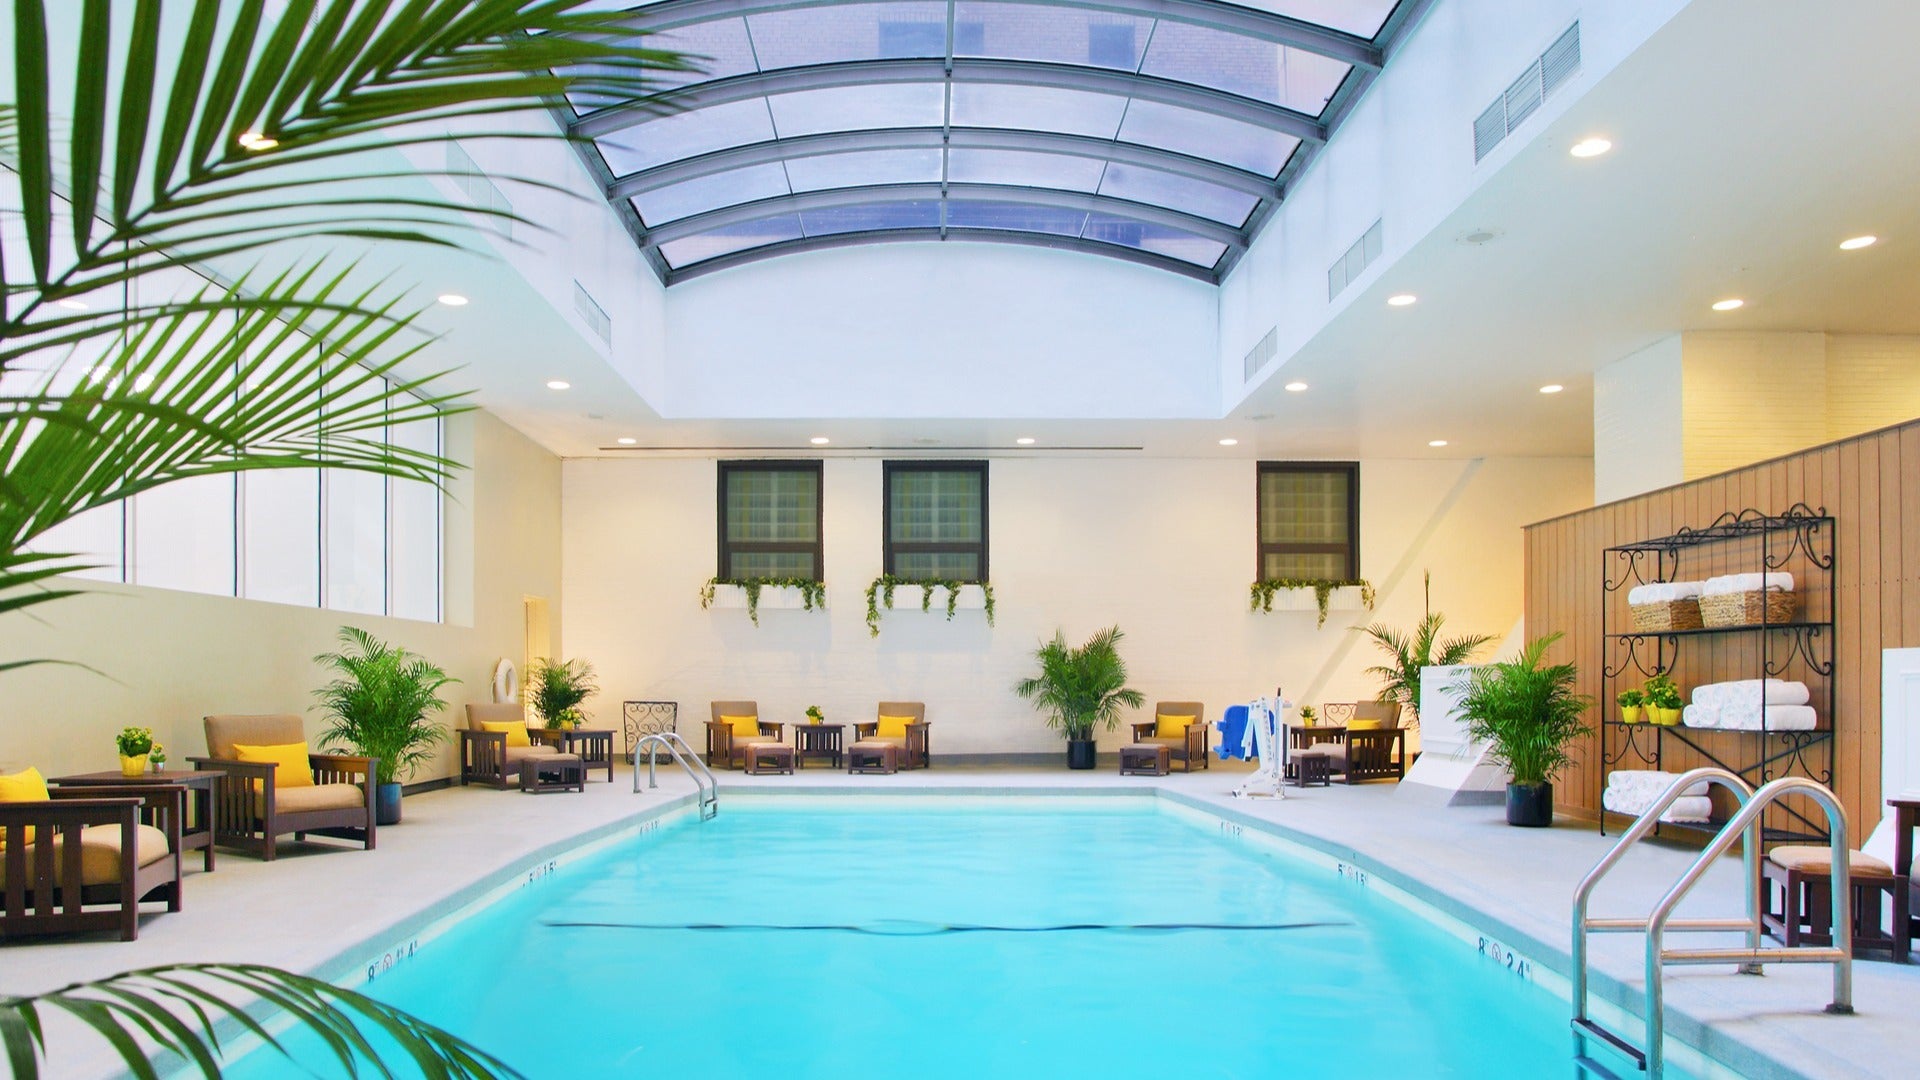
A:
1164	548
1638	428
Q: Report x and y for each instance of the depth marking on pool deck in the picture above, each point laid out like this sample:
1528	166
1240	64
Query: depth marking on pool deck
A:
912	929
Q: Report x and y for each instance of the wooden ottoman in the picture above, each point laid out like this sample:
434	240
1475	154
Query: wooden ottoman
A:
553	772
1311	768
1145	759
770	758
872	757
1802	877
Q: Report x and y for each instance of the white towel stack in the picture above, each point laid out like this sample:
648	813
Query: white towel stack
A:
1750	704
1662	591
1744	693
1737	583
1632	791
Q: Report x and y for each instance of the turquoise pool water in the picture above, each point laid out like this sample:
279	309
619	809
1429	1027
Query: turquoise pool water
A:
930	941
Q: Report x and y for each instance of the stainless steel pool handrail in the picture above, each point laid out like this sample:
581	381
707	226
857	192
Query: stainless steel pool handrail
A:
703	778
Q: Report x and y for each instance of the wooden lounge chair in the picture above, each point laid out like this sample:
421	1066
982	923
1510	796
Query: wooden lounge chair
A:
494	757
726	747
1187	747
911	746
252	810
102	843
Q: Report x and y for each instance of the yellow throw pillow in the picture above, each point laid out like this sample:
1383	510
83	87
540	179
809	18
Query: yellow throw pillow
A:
1171	727
1365	725
516	731
744	727
893	727
26	785
290	765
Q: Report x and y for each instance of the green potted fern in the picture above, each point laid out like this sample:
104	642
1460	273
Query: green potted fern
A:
1527	713
382	705
1081	688
556	688
1410	652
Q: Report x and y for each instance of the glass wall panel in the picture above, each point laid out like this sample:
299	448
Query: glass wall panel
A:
183	536
1196	197
355	532
1024	168
280	529
864	167
962	214
413	531
1054	35
682	135
1202	135
711	193
922	214
1261	70
858	108
840	32
1037	108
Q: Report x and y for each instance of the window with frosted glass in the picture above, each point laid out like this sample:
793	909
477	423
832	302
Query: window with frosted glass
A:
936	520
354	524
280	536
1309	520
413	530
183	536
770	519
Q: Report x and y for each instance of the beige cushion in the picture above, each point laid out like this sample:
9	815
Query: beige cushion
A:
479	714
758	740
318	797
517	754
100	854
1818	859
875	740
270	730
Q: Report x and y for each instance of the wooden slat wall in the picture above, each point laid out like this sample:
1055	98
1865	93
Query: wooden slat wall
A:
1869	484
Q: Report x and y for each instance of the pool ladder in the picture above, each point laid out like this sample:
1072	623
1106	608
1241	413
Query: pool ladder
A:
1744	825
703	780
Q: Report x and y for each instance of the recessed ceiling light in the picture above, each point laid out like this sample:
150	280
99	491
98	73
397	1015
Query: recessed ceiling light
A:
1552	388
453	299
1436	442
626	440
1729	304
1402	299
1229	442
255	141
1858	242
73	305
819	440
1295	387
559	384
1025	440
1592	146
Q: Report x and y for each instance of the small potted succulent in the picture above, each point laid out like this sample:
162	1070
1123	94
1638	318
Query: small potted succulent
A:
157	757
1663	701
1308	717
814	715
135	744
1631	702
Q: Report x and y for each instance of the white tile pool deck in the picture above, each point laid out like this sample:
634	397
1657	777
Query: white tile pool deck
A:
331	913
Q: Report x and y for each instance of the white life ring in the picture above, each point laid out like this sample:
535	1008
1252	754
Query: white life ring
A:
506	681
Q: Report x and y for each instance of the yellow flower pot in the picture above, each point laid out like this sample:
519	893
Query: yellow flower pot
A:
1664	717
133	765
1630	714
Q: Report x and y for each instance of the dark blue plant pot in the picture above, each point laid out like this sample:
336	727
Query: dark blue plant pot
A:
386	804
1530	805
1080	753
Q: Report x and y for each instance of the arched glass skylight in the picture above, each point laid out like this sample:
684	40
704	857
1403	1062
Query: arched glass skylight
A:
1159	131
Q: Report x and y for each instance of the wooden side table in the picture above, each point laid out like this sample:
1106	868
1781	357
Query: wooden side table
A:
818	740
196	832
1311	768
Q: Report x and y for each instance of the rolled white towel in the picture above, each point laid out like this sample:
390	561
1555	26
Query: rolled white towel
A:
1685	808
1700	714
1659	592
1733	583
1749	718
1647	784
1751	692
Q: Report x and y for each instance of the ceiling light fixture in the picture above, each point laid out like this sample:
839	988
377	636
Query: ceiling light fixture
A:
1229	442
625	440
256	142
1591	146
1025	440
559	384
819	440
1436	442
1731	303
453	299
1552	388
1295	387
1858	242
1401	299
73	305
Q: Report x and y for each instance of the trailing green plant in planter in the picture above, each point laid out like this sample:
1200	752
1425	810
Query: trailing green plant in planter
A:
557	687
1408	653
813	593
381	705
1260	593
1078	688
1527	713
880	594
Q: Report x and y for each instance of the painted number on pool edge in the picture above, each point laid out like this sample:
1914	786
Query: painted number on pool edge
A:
1228	828
391	957
539	872
1506	958
1351	873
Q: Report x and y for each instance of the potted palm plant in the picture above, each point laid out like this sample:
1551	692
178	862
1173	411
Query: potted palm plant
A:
1408	653
382	706
1079	688
1527	713
556	688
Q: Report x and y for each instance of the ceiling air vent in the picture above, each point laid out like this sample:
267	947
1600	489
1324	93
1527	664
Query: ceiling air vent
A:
1260	355
592	313
478	190
1524	97
1351	265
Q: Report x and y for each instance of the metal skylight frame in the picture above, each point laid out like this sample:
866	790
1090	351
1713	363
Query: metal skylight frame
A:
1366	58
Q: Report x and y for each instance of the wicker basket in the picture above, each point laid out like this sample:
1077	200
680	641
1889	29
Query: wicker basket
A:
1666	615
1749	608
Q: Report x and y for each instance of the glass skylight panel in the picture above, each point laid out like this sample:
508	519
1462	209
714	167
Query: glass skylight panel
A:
1036	108
1261	70
1204	135
1197	197
835	33
1055	35
1159	239
730	239
685	134
920	214
1024	168
864	167
1362	18
1016	217
721	45
705	193
859	108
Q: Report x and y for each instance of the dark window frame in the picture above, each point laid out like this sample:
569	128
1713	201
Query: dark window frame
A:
728	549
1351	548
890	548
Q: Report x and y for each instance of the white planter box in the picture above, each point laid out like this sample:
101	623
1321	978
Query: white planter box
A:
1344	598
772	598
908	598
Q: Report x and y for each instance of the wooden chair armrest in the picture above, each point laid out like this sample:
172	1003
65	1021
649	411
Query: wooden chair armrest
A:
235	770
1143	729
546	736
166	803
720	737
467	735
779	730
326	767
861	731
